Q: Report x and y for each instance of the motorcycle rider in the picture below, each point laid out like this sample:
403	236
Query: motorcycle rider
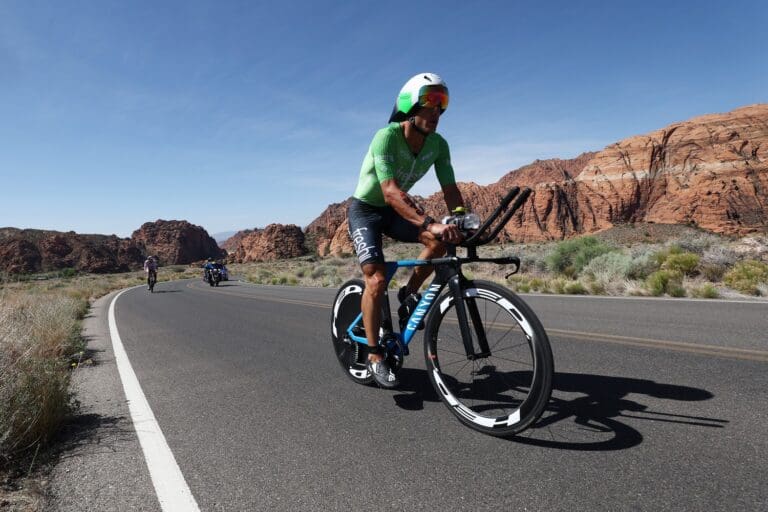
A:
207	268
150	267
399	155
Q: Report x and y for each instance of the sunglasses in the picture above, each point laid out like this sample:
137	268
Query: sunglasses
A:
433	96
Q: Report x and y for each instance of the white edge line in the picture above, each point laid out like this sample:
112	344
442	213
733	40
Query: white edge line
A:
171	488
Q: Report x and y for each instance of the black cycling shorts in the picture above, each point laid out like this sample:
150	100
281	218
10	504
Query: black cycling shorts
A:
366	225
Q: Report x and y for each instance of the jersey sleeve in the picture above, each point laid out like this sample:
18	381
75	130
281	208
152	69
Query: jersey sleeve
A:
384	152
443	167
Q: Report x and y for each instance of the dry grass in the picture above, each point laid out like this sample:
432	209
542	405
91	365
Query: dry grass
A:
40	344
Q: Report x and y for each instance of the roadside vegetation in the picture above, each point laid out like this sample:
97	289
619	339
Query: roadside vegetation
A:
650	260
40	345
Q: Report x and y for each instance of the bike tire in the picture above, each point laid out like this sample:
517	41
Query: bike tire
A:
505	392
352	356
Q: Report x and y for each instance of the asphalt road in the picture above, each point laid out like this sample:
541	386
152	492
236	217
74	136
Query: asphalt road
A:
657	405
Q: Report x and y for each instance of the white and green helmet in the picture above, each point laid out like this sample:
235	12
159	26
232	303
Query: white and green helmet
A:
420	90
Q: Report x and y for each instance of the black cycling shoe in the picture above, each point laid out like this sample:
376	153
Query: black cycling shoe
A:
407	304
383	374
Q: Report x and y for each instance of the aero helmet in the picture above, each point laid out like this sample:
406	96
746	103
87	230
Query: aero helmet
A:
424	89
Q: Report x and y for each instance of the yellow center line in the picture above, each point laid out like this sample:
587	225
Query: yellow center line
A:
678	346
697	348
267	299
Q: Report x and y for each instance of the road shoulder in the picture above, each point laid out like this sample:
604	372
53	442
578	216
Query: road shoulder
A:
101	466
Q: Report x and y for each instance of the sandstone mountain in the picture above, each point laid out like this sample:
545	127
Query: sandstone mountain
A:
274	242
177	242
710	171
34	250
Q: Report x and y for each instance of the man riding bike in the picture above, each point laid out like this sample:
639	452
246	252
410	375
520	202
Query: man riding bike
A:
399	155
150	267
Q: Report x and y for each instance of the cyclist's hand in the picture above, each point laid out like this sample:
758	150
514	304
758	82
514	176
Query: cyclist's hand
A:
446	232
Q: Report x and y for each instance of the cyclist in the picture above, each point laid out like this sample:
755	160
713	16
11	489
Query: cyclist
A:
150	267
399	155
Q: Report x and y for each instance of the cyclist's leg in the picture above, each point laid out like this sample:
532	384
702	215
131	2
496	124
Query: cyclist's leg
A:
374	275
365	222
402	230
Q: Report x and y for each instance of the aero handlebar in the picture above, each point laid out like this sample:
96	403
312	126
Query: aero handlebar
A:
478	238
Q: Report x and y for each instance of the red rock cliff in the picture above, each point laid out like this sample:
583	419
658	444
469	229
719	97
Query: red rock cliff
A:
176	242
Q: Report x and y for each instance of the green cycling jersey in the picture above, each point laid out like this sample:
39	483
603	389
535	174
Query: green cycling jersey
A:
389	157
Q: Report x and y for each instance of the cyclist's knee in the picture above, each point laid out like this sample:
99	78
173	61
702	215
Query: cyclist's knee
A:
375	280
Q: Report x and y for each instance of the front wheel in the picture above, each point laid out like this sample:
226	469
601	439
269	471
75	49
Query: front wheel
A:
505	384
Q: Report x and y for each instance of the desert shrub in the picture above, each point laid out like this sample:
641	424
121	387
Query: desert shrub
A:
747	276
665	281
720	256
706	291
698	242
38	334
596	288
712	271
575	288
609	267
684	262
537	284
557	285
571	256
660	257
321	271
68	273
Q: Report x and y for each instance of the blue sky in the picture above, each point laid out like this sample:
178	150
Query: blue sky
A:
234	115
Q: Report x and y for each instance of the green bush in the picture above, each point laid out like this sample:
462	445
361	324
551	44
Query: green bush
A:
707	291
68	273
660	257
575	288
665	281
747	276
571	256
685	263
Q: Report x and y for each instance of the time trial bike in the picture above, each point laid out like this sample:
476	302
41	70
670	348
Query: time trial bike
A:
486	353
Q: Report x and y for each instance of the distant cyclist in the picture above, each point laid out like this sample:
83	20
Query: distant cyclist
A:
399	155
150	267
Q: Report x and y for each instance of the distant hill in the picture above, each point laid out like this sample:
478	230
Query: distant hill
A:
223	236
35	250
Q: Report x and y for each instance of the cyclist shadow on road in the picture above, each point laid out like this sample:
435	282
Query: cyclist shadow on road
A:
585	410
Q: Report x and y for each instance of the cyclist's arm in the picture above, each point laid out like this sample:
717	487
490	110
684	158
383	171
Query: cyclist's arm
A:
401	202
406	208
452	196
446	177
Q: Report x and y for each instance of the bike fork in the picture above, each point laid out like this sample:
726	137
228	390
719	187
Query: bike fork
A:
464	324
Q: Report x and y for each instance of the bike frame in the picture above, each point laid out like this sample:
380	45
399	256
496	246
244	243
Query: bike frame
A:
447	272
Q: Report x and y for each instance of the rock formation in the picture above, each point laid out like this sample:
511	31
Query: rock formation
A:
176	242
274	242
33	250
321	231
